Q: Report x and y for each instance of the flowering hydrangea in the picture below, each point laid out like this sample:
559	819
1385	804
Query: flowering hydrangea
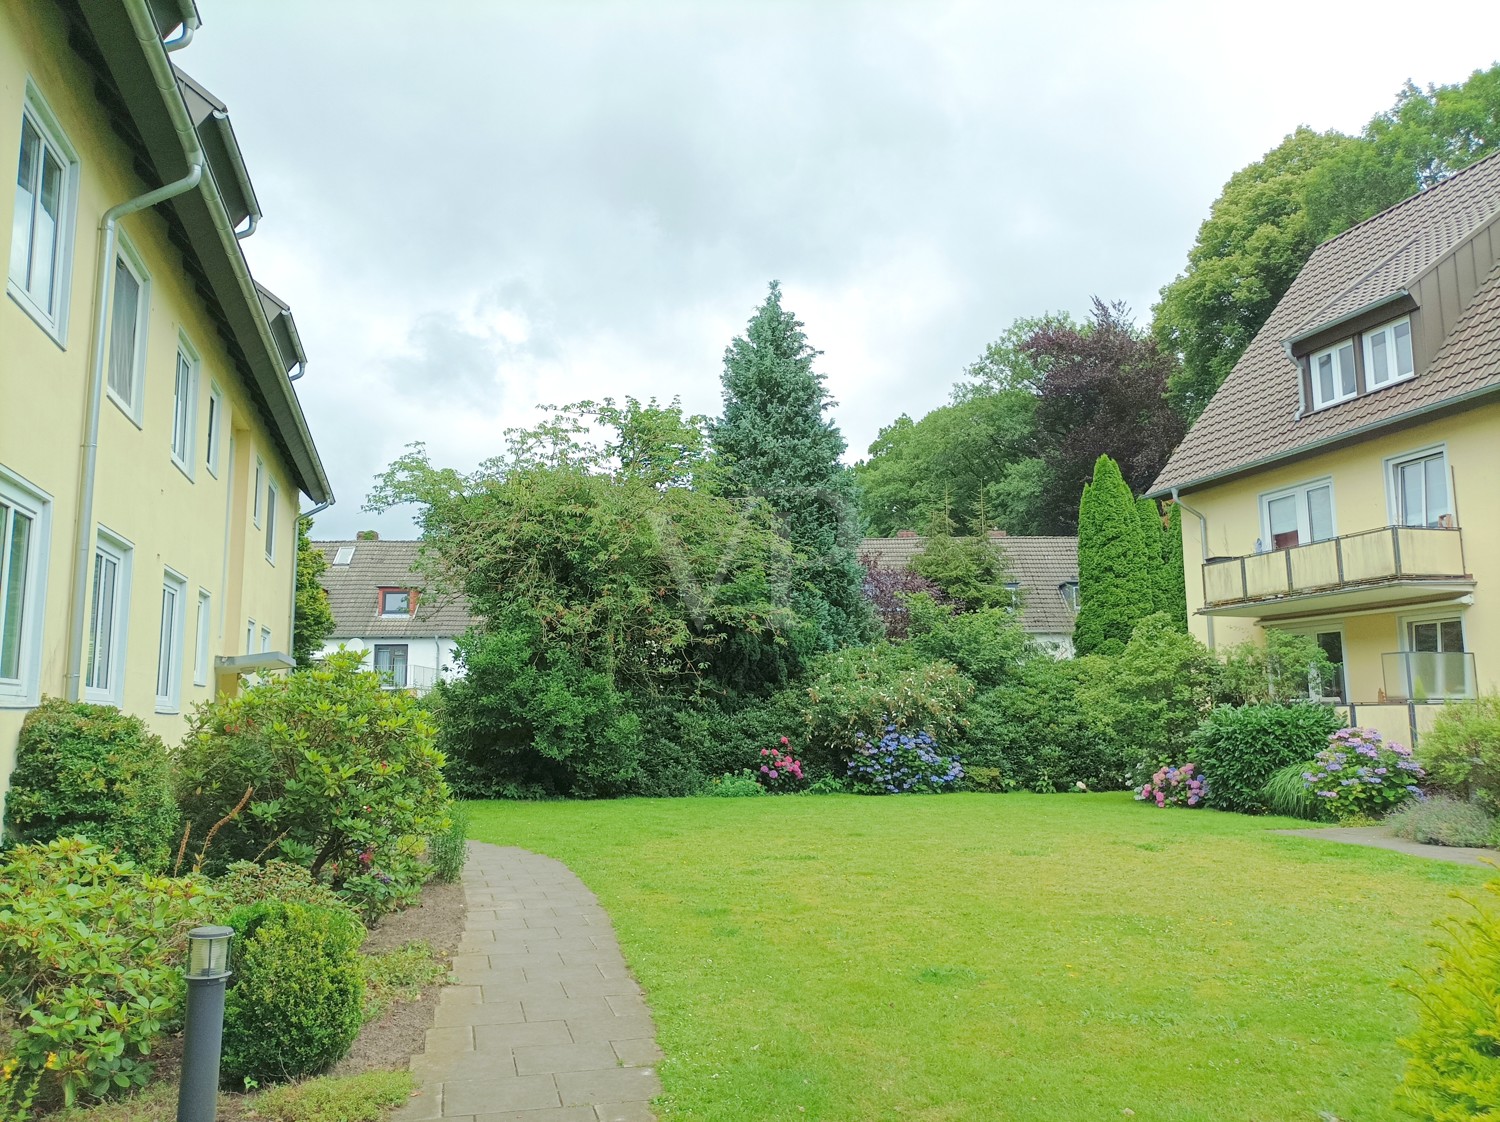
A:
899	763
1360	776
778	769
1175	786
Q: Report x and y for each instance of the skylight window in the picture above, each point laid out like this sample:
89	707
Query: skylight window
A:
344	555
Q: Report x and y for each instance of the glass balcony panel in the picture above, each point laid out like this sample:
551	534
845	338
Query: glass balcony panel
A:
1425	675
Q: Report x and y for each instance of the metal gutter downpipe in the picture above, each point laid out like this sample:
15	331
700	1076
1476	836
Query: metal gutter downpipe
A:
301	370
83	542
291	626
189	25
1203	545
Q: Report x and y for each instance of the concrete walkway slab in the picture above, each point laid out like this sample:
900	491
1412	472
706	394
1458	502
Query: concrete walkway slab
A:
544	1022
1381	837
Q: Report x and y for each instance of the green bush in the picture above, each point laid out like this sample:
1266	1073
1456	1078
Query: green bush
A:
350	1098
448	850
862	690
1153	695
738	786
1462	752
296	1000
970	570
93	771
1277	669
1240	749
1442	820
988	645
343	775
1038	733
245	883
1453	1058
91	952
989	779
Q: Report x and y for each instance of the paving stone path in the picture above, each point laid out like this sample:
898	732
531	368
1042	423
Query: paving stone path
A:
1382	837
544	1023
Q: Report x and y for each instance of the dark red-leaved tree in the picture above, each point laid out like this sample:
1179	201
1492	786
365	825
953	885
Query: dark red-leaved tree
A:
887	590
1102	393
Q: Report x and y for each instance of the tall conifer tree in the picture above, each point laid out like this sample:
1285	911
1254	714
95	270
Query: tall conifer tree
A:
778	443
1114	581
1174	578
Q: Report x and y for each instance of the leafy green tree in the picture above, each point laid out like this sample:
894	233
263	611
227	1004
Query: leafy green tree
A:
779	445
1114	583
312	622
969	570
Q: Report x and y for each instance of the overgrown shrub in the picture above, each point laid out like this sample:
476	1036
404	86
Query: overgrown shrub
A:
92	771
745	784
245	883
1037	732
1360	777
1153	695
91	951
1176	786
1240	749
901	763
1442	820
969	570
1462	752
1285	667
343	778
986	645
1453	1057
862	690
296	1000
448	849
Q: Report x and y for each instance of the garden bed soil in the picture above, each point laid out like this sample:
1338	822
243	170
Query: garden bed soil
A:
391	1041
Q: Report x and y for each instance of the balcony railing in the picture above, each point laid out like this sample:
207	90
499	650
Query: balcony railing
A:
1427	675
414	679
1364	560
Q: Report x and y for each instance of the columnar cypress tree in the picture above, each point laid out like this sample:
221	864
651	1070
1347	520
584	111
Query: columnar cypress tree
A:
1114	582
778	444
1173	576
1149	516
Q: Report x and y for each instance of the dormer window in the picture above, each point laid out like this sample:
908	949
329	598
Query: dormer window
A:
395	602
1333	374
1388	354
1068	590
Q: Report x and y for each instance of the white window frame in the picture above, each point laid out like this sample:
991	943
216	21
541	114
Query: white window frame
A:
1437	615
1299	492
1393	465
1323	627
1388	330
53	321
214	437
273	495
1338	375
250	636
135	408
186	457
260	481
203	638
405	648
23	691
344	555
265	640
169	643
120	551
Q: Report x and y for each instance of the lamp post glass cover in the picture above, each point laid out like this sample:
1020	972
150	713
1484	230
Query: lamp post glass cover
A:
208	951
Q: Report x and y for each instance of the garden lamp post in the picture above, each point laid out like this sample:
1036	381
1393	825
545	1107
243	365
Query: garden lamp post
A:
203	1032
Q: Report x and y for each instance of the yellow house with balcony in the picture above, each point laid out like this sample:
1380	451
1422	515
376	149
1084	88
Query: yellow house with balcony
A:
1344	482
152	448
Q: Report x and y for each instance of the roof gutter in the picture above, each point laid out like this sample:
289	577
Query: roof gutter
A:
83	538
1330	441
1203	545
190	24
241	173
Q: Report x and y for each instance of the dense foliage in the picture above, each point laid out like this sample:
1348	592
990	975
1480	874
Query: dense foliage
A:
342	776
1462	752
969	571
889	590
778	444
296	1000
92	770
91	951
1153	696
1443	820
1453	1057
1283	667
1115	584
312	622
1239	749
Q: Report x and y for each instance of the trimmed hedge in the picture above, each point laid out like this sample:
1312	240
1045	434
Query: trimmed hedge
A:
1238	750
92	771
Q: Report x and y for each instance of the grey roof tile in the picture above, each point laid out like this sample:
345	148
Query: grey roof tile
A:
354	593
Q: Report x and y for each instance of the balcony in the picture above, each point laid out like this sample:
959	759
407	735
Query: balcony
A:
416	680
1394	566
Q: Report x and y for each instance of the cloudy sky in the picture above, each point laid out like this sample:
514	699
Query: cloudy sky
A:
475	207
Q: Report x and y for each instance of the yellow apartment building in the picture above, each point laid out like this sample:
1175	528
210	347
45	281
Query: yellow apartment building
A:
1344	482
153	453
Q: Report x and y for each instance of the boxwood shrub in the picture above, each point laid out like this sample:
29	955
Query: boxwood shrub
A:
92	771
1240	749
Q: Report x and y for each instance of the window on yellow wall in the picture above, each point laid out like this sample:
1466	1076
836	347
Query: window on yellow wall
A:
184	409
24	516
169	644
260	486
203	637
41	241
126	354
215	429
109	611
271	496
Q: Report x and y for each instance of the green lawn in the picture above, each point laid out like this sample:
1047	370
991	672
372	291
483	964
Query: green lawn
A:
1059	958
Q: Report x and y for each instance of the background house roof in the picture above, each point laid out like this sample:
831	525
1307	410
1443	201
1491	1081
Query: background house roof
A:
1039	565
354	592
1253	418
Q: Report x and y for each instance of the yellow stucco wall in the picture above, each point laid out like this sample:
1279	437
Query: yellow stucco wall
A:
200	527
1361	501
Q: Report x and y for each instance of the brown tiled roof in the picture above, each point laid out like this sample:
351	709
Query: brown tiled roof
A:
354	593
1253	418
1038	565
